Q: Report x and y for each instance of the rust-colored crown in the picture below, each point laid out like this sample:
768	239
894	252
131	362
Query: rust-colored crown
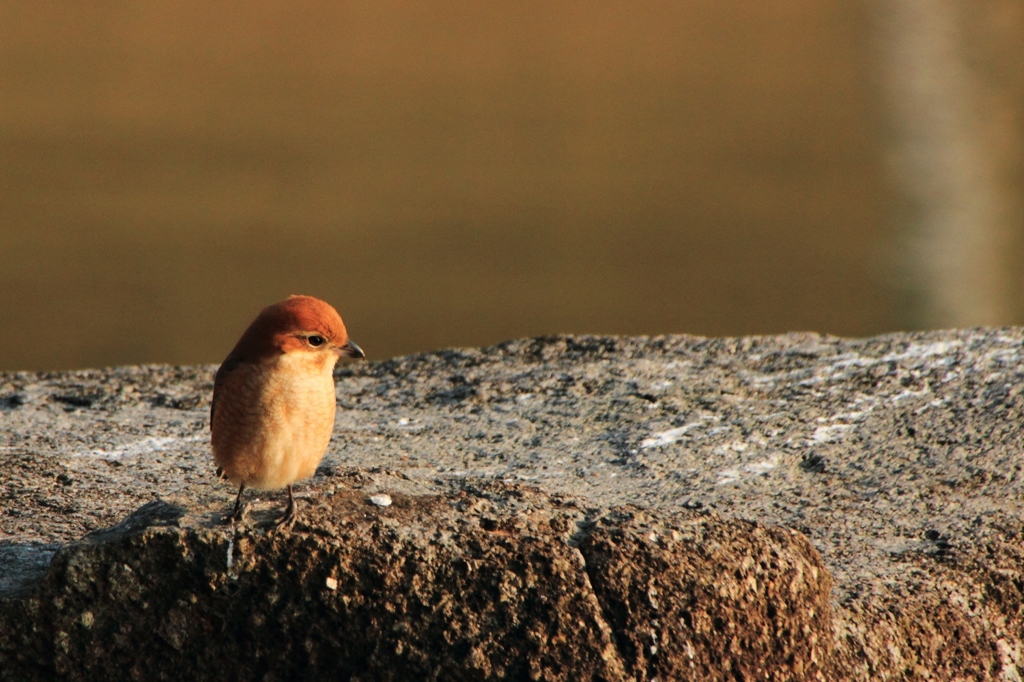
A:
275	329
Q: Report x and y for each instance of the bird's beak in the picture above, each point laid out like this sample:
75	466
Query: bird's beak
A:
352	350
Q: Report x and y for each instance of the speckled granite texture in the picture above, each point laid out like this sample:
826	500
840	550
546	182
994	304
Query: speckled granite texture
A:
898	457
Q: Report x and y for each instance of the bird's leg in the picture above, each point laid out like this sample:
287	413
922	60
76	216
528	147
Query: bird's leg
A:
238	515
287	520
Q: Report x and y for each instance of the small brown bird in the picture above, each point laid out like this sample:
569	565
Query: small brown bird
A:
273	398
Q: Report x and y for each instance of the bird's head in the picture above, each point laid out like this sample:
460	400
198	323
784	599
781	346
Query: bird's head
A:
297	325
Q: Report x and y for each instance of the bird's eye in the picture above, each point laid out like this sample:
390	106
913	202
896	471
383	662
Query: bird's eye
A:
316	340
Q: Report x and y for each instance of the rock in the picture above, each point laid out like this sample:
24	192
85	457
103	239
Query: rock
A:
793	507
702	599
495	582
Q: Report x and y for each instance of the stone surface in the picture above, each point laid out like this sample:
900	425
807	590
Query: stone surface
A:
898	457
489	582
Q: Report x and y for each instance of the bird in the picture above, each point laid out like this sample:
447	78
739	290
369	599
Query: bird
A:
273	404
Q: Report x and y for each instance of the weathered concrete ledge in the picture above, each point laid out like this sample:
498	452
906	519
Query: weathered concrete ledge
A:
794	507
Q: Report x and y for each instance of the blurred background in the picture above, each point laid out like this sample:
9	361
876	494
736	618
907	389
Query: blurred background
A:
459	173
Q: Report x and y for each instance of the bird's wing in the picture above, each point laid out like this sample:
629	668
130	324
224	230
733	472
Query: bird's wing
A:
229	365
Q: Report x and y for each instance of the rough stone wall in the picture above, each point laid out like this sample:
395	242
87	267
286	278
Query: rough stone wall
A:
794	507
493	582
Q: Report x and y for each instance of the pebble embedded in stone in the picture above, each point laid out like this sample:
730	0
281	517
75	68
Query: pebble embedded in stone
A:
383	500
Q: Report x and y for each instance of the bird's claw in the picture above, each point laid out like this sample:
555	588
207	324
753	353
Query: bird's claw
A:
286	520
236	517
290	515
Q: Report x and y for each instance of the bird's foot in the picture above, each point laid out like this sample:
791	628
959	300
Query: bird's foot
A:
237	516
290	515
287	519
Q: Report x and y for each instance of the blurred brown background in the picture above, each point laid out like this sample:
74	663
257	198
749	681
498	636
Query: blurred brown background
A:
459	173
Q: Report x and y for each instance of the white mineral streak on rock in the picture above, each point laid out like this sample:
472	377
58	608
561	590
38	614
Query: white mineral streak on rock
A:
144	446
845	365
672	435
736	474
829	434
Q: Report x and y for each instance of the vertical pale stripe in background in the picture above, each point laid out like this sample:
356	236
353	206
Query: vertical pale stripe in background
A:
955	144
